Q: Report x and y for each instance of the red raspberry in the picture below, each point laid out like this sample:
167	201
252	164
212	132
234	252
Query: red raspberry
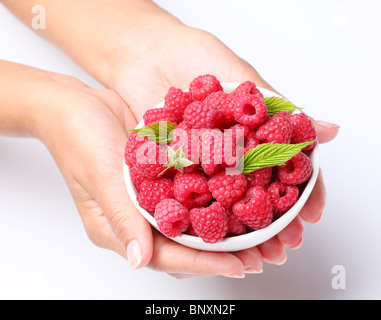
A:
188	140
223	101
303	130
198	115
191	189
134	141
150	158
158	114
176	100
137	178
282	197
211	223
235	224
296	170
251	141
153	191
261	178
211	151
171	217
251	111
228	188
246	88
254	209
277	130
204	85
233	144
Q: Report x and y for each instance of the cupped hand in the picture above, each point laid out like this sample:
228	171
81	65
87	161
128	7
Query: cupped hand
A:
174	58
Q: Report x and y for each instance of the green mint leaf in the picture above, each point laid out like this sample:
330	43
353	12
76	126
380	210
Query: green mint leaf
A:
276	104
160	132
270	155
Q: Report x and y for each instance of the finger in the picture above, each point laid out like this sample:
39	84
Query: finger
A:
174	258
292	235
325	131
273	251
252	260
313	209
128	225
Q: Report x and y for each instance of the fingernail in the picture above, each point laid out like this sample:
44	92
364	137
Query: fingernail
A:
252	271
327	124
235	275
134	254
283	261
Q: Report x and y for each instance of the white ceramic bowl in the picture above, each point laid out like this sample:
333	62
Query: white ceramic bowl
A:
247	240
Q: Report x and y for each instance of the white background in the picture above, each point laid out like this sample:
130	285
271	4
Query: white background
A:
322	55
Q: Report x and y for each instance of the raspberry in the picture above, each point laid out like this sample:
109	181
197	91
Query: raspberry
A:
247	88
277	130
261	178
303	130
158	114
133	143
153	191
204	85
211	151
223	101
188	140
137	178
191	189
210	223
254	209
282	197
150	158
171	217
198	115
176	100
251	111
235	225
227	188
251	141
296	170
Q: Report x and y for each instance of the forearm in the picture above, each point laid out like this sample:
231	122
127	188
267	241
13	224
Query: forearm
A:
25	98
96	32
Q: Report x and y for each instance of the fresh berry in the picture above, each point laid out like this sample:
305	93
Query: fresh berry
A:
251	141
296	170
188	140
235	224
198	115
210	223
211	151
259	178
153	191
158	114
282	197
247	88
134	141
228	188
150	158
303	130
255	209
171	217
204	85
191	189
251	111
223	101
277	130
176	100
137	178
233	144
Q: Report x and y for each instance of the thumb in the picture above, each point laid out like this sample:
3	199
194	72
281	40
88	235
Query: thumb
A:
129	226
325	131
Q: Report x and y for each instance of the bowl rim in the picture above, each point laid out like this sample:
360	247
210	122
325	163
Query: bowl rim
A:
239	242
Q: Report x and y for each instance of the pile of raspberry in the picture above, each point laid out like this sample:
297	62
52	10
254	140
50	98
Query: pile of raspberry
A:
212	199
